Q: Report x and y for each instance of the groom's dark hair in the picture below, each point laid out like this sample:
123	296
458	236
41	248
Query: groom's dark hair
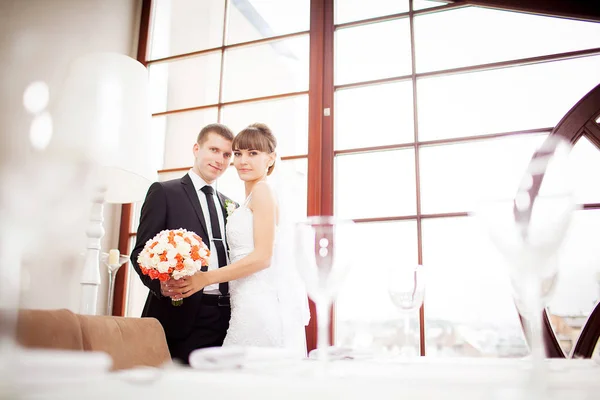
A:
219	129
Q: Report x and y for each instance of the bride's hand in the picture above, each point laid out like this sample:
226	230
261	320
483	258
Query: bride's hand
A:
192	284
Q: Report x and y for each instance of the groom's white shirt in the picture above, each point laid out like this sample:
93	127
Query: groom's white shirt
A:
213	262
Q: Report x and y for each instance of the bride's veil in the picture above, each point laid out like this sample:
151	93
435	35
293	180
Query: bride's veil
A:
285	181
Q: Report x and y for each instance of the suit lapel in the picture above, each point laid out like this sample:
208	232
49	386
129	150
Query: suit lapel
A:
189	189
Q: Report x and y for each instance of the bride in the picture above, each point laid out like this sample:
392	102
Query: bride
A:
268	305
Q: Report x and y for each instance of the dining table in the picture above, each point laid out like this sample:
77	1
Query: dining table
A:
285	378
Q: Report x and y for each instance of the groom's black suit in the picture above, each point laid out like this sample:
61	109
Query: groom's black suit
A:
195	324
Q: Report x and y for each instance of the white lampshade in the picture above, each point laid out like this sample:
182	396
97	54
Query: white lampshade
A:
104	114
103	121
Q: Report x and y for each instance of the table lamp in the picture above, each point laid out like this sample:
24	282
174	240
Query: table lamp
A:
108	94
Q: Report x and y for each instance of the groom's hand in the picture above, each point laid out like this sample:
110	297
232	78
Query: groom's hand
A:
170	288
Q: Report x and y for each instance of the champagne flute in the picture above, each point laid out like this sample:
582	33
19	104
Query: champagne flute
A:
406	288
112	263
528	230
326	248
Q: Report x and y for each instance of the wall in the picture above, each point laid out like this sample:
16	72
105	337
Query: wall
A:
38	41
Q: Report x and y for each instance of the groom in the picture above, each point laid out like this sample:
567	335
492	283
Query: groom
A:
190	203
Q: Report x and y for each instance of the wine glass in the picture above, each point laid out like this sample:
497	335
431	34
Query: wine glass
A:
326	248
112	265
528	230
406	288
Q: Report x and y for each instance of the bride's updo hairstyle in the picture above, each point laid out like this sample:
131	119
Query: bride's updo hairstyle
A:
257	136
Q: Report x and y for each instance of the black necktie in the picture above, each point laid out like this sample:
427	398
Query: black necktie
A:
216	233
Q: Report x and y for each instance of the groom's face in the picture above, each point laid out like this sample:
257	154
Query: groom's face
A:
212	157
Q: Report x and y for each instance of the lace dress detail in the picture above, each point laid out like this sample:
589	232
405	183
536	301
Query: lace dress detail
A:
256	313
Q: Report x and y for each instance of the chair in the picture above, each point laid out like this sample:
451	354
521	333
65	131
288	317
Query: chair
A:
581	120
129	341
589	336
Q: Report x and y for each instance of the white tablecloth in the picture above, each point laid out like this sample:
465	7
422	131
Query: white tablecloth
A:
420	378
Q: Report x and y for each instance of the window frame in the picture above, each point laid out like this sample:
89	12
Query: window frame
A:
321	92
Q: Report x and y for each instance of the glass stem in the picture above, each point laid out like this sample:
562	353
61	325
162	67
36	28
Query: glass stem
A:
406	331
111	291
322	329
535	321
536	338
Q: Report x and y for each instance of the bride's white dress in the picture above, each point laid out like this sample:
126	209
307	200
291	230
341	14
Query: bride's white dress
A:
258	311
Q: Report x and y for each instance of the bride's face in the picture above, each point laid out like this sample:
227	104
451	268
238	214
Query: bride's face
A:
252	164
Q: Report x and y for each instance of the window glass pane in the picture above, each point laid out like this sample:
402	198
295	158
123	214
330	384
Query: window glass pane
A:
156	139
295	175
135	221
287	118
184	26
354	10
372	321
379	184
261	70
180	132
136	291
231	185
169	175
508	99
137	206
445	40
296	182
455	177
257	19
189	82
586	164
422	4
372	51
469	309
577	290
390	107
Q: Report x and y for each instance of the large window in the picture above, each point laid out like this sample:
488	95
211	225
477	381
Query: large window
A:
402	116
234	62
433	109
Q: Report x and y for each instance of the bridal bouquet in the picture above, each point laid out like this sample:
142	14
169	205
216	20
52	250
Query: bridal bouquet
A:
173	254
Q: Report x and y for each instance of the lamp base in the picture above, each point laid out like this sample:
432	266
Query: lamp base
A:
90	278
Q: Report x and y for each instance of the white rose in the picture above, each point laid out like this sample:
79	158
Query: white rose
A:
153	262
184	248
143	259
193	241
230	208
203	252
159	248
177	274
171	253
163	267
189	265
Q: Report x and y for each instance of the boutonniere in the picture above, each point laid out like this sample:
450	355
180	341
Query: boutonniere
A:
230	207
